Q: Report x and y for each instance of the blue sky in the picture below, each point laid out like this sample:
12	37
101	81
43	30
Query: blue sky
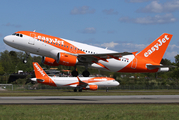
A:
121	25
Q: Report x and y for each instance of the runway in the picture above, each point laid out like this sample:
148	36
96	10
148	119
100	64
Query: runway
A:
131	99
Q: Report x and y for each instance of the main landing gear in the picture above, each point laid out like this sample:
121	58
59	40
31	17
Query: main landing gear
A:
75	90
85	73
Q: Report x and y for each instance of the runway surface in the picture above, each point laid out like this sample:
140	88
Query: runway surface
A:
131	99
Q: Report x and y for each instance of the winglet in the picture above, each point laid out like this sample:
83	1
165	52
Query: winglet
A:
81	82
134	53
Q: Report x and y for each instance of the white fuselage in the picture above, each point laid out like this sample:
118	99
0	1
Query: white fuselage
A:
73	81
35	46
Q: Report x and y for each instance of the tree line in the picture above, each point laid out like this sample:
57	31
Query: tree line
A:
12	61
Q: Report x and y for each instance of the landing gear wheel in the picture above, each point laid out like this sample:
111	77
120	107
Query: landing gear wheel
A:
80	90
86	73
75	90
24	61
74	73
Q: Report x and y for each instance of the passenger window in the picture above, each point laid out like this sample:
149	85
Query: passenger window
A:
21	35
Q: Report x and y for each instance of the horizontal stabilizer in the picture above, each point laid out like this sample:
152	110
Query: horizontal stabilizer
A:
162	68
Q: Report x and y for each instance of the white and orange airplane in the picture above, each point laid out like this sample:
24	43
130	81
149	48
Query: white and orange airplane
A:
57	51
83	83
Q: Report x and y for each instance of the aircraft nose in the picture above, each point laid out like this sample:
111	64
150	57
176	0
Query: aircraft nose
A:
117	83
8	40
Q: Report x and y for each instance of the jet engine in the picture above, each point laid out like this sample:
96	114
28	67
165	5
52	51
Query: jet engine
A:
91	87
49	61
66	59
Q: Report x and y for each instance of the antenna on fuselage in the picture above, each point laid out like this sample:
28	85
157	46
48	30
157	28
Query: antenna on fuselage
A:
34	30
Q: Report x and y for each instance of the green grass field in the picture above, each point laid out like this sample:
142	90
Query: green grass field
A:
90	112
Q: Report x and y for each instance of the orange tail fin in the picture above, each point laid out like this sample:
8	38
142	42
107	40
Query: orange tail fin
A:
39	72
41	76
155	51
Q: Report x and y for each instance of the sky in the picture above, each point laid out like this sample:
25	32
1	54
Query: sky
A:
120	25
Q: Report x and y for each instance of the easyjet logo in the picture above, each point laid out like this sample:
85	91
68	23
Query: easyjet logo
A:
50	39
156	46
38	69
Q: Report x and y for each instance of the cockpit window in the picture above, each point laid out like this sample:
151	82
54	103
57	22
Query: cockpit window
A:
17	34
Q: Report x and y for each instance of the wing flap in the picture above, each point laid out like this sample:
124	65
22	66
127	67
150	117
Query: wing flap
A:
95	57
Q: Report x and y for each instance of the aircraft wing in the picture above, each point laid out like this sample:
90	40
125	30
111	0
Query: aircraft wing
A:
81	83
95	57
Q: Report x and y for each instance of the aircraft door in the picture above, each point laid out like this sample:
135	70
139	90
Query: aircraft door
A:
32	39
134	63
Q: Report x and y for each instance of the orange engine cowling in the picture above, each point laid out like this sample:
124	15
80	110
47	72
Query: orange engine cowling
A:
91	87
66	59
49	61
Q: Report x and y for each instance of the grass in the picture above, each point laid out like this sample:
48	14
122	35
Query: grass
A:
56	92
89	112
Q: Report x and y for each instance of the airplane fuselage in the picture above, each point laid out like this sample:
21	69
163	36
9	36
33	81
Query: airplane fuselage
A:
49	46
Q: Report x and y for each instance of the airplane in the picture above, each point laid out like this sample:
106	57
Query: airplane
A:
83	83
58	51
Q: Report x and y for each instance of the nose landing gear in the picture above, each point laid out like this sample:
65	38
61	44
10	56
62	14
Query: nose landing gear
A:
25	60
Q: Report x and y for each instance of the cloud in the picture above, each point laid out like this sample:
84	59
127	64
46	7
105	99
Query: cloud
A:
157	19
82	10
137	1
11	25
121	47
89	30
155	7
170	53
109	45
110	12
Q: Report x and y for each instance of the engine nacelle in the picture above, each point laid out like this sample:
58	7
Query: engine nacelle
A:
66	59
49	61
91	87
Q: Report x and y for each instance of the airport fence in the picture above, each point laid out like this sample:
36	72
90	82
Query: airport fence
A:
121	87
